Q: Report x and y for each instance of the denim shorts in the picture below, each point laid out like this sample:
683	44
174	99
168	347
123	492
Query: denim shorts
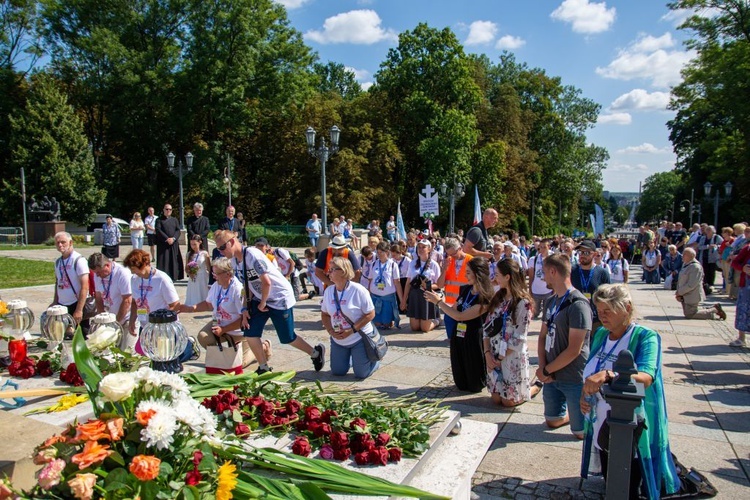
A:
559	396
283	321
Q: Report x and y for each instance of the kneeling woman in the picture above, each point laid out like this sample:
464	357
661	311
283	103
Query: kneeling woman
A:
469	309
385	287
423	275
653	470
346	309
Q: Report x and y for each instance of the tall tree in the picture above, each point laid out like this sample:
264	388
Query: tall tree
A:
658	195
48	141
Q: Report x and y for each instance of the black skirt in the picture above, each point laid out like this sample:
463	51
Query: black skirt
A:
418	307
111	252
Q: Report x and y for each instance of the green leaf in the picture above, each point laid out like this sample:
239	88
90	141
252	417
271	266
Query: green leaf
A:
88	369
116	480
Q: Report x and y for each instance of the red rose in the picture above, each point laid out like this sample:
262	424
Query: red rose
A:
339	439
278	420
193	478
394	454
341	453
266	419
367	442
358	422
300	425
221	407
292	407
241	430
229	397
266	407
301	446
44	368
312	413
378	456
71	376
197	457
362	458
321	430
254	401
382	439
327	415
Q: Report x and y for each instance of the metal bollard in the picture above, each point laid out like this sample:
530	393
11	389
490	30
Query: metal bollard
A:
624	396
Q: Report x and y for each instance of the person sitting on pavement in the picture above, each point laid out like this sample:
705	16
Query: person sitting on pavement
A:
690	290
347	309
338	248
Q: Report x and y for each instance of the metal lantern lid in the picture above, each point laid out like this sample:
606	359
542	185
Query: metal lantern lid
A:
104	318
17	304
20	318
57	311
162	316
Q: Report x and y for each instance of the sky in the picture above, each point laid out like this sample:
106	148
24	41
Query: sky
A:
623	54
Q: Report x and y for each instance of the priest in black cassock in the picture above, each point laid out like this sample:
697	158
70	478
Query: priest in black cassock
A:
168	255
198	224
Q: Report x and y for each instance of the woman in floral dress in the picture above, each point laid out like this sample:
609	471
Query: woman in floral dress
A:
505	330
197	268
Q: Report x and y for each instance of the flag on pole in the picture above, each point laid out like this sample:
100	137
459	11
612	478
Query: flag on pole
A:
599	228
400	229
477	206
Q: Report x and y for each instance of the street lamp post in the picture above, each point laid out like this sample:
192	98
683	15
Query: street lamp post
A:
694	208
727	190
179	172
323	153
455	193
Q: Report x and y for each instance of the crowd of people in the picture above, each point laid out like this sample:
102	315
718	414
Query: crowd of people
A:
485	290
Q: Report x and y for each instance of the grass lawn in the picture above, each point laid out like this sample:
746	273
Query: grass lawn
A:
18	272
27	247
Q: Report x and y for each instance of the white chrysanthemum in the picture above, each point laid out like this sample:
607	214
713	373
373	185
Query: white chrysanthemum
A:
148	378
176	383
158	405
209	421
160	429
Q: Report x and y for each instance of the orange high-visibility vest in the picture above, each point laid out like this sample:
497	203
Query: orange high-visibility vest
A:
454	282
329	257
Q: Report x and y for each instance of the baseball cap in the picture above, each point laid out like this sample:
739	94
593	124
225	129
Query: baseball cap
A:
587	244
261	239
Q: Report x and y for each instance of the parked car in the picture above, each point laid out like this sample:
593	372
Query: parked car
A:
98	222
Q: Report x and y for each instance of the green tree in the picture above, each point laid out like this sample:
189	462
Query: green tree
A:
48	141
335	77
658	196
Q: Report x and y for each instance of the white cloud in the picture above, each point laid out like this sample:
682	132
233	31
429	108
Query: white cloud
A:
640	99
481	33
585	16
510	42
366	85
360	27
624	167
359	74
292	4
646	58
679	16
615	119
645	148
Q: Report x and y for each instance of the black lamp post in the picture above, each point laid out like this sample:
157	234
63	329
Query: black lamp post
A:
454	193
323	153
179	172
694	208
727	190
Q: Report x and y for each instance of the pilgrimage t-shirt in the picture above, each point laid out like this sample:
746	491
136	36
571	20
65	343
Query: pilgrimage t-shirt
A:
573	313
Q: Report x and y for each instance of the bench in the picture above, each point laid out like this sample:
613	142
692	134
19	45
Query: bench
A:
12	235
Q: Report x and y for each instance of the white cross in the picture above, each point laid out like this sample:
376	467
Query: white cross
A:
428	191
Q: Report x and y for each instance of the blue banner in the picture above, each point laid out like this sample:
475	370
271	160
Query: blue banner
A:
599	229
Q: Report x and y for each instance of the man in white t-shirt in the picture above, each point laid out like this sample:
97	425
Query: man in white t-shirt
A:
113	292
71	279
539	289
150	223
289	269
390	229
271	298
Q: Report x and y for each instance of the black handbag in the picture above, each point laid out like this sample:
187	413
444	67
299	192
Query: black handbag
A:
376	346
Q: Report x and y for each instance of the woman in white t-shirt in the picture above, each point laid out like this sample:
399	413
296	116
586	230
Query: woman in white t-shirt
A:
401	257
423	275
618	266
385	287
346	310
136	231
225	300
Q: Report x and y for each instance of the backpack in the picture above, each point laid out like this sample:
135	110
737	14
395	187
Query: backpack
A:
297	263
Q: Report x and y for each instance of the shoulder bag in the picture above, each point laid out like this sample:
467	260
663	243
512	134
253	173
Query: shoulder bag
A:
220	360
376	346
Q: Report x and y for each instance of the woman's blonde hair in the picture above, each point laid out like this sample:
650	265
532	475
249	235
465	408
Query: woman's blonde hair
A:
616	296
222	264
345	266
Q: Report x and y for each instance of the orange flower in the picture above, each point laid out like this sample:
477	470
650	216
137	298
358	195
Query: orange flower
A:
92	453
82	486
114	427
93	430
54	439
144	416
145	467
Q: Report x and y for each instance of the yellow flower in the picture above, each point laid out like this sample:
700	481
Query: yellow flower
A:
68	401
227	481
3	308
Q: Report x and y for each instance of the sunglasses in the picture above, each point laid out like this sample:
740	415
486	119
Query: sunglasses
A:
224	246
332	269
167	209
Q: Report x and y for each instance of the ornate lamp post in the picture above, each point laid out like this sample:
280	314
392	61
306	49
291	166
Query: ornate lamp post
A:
727	190
694	208
455	193
179	172
323	153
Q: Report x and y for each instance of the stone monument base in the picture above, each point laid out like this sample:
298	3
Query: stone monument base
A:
39	232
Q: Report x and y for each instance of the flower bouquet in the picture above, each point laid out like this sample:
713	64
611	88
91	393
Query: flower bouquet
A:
150	439
192	270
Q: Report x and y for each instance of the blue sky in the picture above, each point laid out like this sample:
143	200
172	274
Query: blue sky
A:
623	54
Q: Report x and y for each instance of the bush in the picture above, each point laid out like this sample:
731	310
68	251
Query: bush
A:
277	238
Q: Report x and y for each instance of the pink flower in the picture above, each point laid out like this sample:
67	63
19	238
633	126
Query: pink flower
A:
326	452
82	486
45	456
50	475
5	491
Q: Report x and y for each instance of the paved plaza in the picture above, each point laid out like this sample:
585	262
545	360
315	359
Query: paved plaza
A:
706	383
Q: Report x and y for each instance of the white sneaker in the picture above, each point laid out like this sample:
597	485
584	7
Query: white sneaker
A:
737	343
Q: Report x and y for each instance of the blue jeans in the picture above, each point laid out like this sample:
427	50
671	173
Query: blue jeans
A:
342	358
652	277
314	241
561	396
137	241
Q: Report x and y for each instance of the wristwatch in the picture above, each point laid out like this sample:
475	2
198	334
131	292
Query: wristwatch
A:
545	372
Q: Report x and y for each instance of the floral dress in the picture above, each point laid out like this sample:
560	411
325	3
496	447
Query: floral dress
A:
507	331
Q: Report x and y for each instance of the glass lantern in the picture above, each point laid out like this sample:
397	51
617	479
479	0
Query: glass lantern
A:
164	340
19	321
57	326
105	332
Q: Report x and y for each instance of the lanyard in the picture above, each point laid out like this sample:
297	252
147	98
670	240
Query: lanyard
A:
221	297
506	313
195	256
611	267
585	282
231	224
63	265
421	271
603	360
554	313
108	286
380	271
143	292
470	298
338	300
